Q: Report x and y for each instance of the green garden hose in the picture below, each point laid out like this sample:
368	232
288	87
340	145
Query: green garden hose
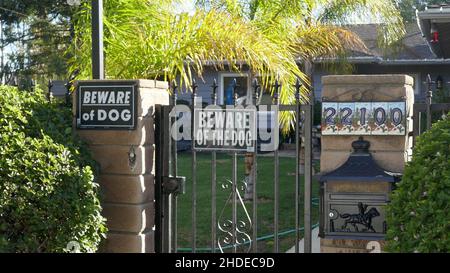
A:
262	238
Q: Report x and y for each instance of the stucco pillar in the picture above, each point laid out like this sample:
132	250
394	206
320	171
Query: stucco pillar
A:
127	185
389	151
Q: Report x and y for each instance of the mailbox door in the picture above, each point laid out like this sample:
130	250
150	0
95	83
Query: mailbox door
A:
355	215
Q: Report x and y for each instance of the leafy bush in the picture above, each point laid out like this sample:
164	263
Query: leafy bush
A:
418	216
48	197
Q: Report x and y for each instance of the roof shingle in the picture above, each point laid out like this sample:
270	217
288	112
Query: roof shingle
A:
413	46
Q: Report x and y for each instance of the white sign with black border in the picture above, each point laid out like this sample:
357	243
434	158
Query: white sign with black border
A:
229	129
106	106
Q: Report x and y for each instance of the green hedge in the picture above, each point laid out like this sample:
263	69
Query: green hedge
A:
418	217
48	197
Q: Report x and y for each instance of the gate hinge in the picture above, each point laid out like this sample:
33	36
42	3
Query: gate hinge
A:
174	185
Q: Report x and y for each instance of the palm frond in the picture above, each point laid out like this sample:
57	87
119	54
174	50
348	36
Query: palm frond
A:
146	39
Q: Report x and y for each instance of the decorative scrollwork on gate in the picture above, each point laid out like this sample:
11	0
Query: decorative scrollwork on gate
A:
225	225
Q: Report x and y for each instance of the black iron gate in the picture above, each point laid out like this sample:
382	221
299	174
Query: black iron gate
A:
234	235
424	114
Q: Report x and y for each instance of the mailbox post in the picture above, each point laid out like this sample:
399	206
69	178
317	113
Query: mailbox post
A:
355	182
353	197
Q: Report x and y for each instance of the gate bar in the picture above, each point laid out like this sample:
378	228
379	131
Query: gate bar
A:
255	174
213	181
158	179
162	211
297	164
194	170
174	162
276	177
308	176
234	187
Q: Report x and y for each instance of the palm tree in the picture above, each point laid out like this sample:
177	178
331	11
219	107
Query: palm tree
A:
146	39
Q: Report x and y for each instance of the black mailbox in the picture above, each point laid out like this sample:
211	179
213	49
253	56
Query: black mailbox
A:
353	197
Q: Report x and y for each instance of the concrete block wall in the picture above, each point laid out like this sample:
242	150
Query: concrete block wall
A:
127	188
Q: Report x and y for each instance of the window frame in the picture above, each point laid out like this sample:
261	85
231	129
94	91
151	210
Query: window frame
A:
222	75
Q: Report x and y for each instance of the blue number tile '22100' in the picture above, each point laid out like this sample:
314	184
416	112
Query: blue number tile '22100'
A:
363	118
330	118
378	122
363	113
346	114
396	118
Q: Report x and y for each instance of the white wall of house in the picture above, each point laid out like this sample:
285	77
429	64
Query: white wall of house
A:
418	72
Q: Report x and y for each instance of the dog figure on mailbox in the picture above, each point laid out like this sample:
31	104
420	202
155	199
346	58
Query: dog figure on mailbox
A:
362	218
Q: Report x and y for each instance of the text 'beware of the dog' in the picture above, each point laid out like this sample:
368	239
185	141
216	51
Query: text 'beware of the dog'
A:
230	129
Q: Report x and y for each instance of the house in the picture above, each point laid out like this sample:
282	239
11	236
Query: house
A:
224	81
413	56
435	25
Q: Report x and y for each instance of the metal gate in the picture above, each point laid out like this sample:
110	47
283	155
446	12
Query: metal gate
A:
230	235
424	114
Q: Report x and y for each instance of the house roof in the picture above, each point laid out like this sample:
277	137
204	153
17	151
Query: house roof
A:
413	45
413	49
436	20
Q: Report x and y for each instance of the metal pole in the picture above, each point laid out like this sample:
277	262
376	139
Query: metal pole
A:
194	170
98	69
234	183
158	180
276	206
161	170
255	174
167	209
234	188
174	174
308	178
213	182
297	164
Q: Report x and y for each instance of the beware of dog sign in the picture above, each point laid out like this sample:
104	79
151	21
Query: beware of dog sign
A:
229	129
106	106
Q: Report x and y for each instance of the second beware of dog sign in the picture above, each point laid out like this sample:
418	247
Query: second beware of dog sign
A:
229	129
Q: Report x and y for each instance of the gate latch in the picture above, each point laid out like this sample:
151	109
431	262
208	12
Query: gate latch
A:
174	185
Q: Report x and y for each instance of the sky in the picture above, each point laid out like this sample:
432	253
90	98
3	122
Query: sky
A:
186	6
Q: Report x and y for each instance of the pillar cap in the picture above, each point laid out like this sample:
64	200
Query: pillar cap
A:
368	79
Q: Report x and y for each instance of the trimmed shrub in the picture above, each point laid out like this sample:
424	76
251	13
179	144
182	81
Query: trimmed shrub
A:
48	197
418	217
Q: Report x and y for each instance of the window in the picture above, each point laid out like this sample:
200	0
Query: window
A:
226	87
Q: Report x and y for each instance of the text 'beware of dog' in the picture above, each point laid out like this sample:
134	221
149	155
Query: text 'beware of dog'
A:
106	107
